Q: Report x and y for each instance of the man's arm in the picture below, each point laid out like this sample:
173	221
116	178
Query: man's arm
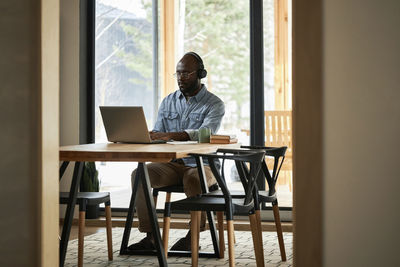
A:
212	121
177	136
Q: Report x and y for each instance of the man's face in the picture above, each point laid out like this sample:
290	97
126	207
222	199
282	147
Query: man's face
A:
187	66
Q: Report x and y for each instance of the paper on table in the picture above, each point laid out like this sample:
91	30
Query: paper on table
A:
182	142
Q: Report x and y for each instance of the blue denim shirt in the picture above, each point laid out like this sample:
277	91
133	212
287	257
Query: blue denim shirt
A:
177	115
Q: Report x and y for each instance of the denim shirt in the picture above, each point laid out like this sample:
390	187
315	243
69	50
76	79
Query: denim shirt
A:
178	115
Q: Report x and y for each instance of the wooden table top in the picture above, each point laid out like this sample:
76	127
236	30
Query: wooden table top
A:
135	152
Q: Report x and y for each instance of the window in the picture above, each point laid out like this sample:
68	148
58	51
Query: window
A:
123	77
134	52
277	87
223	42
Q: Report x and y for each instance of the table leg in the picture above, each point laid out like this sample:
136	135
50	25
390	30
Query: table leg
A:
152	213
69	214
63	167
142	176
129	218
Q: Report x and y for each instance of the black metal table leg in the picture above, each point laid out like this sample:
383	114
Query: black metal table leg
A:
142	176
63	167
152	213
129	218
69	214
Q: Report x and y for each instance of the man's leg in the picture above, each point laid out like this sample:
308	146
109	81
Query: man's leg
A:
160	174
191	186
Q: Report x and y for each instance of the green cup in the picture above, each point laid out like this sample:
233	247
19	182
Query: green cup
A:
204	135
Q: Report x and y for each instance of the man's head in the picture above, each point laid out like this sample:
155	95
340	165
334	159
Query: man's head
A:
190	70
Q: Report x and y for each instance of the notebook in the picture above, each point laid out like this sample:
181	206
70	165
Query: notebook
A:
126	125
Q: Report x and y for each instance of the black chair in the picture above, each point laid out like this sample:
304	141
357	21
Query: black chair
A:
227	204
265	196
270	195
83	200
167	216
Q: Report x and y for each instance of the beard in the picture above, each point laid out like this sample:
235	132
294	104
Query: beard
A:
188	87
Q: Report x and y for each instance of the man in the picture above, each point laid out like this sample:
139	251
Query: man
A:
180	116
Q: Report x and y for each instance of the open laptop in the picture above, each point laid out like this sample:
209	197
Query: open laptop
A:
126	125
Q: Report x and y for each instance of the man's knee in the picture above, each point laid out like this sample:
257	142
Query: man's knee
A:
155	176
191	183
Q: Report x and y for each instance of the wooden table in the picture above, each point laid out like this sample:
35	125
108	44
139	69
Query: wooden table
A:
140	153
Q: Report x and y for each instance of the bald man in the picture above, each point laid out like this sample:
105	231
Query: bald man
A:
180	117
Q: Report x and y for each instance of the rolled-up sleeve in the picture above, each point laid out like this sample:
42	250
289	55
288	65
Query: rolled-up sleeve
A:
212	121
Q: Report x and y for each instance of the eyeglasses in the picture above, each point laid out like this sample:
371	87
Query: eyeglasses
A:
183	75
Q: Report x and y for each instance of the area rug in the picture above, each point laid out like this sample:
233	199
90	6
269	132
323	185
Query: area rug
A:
95	251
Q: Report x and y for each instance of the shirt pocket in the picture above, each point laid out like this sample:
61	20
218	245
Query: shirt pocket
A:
195	120
171	121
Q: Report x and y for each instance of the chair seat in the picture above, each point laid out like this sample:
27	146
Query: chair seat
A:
91	198
208	203
178	189
262	194
170	189
265	197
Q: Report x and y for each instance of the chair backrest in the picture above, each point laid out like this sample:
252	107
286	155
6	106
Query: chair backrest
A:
254	158
278	153
279	156
278	129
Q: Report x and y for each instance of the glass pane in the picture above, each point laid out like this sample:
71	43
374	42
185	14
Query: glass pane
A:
124	71
271	79
220	35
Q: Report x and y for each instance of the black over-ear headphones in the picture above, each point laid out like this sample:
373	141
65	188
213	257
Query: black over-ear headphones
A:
201	72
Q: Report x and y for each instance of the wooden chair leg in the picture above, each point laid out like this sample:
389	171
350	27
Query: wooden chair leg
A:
109	232
220	219
81	232
278	225
166	225
194	235
258	248
231	248
259	231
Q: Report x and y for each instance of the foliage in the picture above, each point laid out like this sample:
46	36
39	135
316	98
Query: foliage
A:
219	31
90	179
139	57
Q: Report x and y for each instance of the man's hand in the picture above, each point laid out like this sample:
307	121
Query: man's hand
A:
177	136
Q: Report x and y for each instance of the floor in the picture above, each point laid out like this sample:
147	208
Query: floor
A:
95	254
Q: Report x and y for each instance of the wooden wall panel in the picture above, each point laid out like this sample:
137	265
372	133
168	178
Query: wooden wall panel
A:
307	132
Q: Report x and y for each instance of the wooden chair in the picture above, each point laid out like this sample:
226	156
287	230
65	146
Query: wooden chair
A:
83	200
231	206
167	221
263	196
278	133
277	154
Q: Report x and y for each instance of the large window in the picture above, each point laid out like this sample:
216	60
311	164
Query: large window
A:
219	31
123	77
224	44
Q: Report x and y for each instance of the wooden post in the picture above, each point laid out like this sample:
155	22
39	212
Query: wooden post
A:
168	46
281	55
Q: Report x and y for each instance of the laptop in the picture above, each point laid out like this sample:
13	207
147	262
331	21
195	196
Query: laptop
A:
126	125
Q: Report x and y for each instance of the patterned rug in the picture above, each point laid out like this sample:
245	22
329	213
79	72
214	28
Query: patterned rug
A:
95	251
